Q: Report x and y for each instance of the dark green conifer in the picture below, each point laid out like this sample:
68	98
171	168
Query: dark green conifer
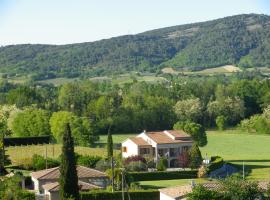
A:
68	174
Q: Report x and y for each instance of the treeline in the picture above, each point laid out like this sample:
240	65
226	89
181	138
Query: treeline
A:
93	108
241	40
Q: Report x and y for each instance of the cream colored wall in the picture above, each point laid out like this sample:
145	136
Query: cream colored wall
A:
132	149
165	197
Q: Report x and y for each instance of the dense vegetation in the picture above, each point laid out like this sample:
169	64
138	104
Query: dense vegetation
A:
91	109
242	40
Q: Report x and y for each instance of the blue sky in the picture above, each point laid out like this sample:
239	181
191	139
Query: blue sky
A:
73	21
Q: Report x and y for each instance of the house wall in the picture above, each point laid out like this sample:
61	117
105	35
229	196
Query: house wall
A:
163	196
52	195
132	149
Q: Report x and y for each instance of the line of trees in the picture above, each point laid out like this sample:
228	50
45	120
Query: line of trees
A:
91	108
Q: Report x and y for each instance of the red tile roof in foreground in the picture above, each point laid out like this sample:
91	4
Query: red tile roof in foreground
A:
54	173
83	186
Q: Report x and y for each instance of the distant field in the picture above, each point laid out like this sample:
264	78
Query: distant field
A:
53	151
58	81
210	71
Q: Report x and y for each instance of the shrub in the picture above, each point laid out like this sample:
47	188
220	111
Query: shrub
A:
161	175
39	162
88	161
134	159
195	157
216	162
221	122
162	164
134	195
202	172
136	166
103	165
151	163
25	195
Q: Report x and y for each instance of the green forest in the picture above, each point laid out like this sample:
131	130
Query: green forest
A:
36	109
241	40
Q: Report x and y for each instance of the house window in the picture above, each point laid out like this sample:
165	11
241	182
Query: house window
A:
144	151
124	149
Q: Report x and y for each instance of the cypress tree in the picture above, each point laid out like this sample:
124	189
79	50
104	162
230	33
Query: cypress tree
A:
68	174
195	156
109	145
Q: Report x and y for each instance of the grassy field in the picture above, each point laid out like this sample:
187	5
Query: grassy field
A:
53	151
234	146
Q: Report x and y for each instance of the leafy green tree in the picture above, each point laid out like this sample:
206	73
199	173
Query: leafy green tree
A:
232	109
5	112
197	133
31	122
189	110
68	174
82	128
195	157
221	122
23	96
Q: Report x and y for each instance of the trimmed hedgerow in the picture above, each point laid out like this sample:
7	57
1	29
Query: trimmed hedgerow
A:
134	195
162	175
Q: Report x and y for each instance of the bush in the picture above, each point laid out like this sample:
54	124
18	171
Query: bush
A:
25	195
136	166
88	161
161	175
134	159
24	163
134	195
216	162
103	165
151	163
221	122
162	164
202	172
39	162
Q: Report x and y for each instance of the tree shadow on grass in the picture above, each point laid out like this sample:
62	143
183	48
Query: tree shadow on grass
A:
249	166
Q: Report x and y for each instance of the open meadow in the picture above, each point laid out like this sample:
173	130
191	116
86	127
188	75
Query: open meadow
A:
234	146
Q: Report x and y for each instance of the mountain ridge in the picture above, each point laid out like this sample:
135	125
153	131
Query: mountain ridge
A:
242	40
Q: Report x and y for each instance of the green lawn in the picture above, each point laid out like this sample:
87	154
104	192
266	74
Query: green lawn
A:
168	183
234	146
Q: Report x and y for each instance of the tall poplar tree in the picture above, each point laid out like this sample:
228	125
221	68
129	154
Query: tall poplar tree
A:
109	145
68	174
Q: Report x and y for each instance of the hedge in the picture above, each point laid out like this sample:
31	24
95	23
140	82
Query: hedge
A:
161	175
17	141
216	163
134	195
27	195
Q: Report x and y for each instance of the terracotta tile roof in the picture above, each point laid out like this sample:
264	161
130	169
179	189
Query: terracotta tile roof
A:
163	138
55	186
178	134
54	173
139	141
177	191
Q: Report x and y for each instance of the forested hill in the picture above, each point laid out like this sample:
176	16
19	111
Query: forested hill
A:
243	40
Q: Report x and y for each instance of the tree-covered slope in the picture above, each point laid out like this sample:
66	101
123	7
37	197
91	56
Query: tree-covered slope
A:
242	40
